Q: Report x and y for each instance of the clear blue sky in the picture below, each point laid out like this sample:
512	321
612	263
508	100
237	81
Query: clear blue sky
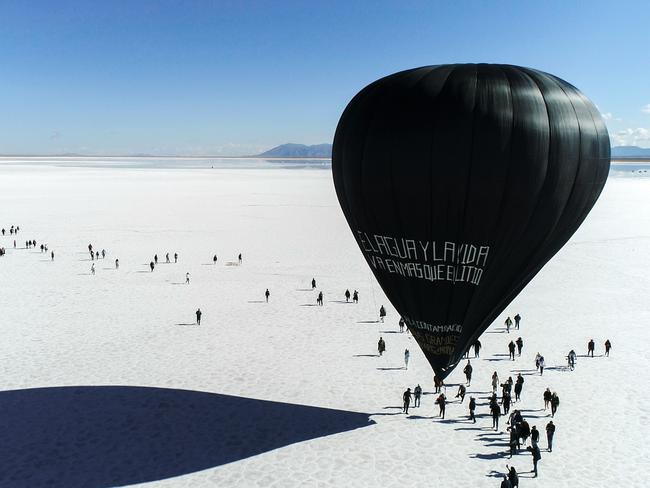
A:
235	77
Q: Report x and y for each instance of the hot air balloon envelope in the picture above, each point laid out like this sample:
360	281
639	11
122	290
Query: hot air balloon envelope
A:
459	183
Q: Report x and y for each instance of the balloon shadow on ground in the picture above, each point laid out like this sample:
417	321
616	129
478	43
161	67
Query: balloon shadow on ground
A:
105	436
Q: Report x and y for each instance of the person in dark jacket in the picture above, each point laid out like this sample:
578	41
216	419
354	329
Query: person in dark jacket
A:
152	265
381	346
513	477
461	392
547	398
555	402
355	296
198	316
519	385
495	410
524	431
511	348
534	436
550	432
506	482
382	313
506	400
267	294
313	283
537	455
406	396
347	295
477	348
517	320
417	393
472	408
608	346
514	439
437	383
591	345
468	372
441	401
520	345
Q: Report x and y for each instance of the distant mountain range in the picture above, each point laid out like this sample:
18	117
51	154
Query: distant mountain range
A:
298	151
325	151
633	152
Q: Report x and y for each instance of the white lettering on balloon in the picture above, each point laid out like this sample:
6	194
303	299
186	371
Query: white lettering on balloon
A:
450	261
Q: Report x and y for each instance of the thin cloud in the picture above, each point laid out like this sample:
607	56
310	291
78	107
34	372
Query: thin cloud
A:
646	109
639	136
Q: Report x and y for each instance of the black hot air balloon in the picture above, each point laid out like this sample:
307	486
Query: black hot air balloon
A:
459	183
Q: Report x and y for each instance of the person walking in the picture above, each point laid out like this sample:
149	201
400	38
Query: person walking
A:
407	356
438	383
347	296
52	255
542	364
167	258
92	268
520	345
382	313
401	324
591	345
608	345
495	410
519	385
472	409
417	393
511	348
355	296
550	432
506	401
187	278
214	259
477	348
537	455
547	398
239	259
508	323
267	294
461	393
505	483
175	257
517	320
534	436
571	359
495	382
381	346
198	316
406	397
313	283
103	253
441	401
468	372
555	402
319	299
152	265
117	263
155	258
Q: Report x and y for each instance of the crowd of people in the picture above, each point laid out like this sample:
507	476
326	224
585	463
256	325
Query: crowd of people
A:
520	432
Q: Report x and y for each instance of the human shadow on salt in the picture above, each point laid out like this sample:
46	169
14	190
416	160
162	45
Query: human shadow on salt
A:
106	436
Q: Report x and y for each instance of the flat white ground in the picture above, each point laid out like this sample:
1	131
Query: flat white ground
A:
62	326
